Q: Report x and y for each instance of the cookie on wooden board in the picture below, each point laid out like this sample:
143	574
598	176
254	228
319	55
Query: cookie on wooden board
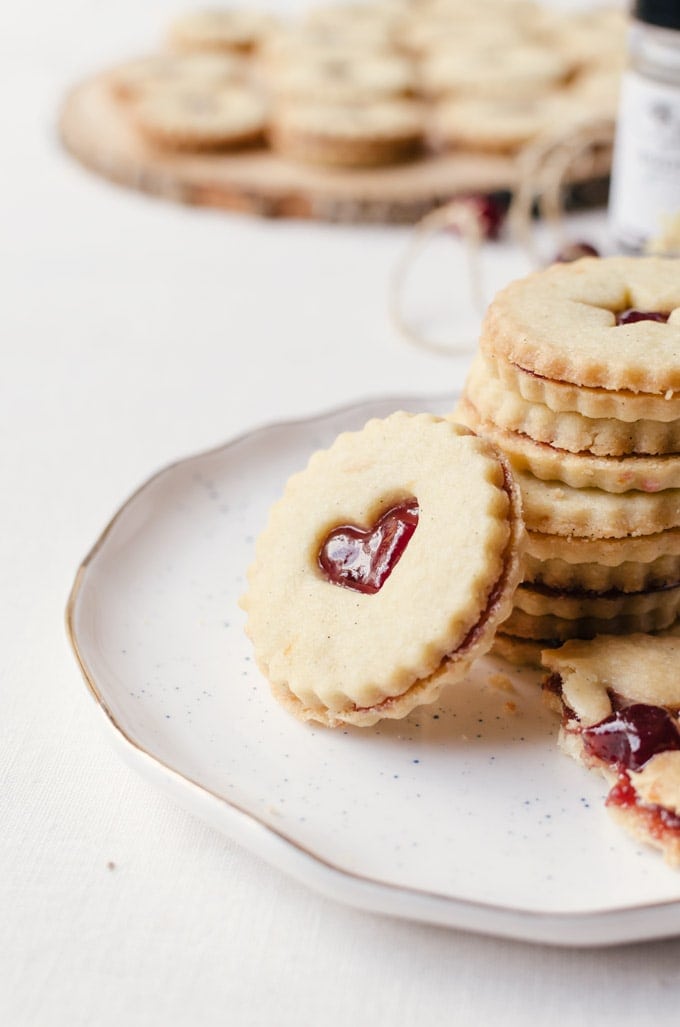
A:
199	118
349	135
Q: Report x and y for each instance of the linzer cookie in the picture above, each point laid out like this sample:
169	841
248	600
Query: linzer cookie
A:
199	118
370	588
623	404
517	71
579	470
495	401
619	699
602	565
134	79
500	124
553	508
343	79
578	603
551	627
349	135
221	30
601	323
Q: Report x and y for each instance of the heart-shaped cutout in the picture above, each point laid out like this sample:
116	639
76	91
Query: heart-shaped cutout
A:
363	559
631	316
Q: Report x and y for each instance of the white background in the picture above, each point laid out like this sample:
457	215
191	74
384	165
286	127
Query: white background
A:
134	332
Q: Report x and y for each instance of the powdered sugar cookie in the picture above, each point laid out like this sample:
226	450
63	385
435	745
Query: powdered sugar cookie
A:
370	589
619	699
611	323
192	118
578	470
508	409
381	132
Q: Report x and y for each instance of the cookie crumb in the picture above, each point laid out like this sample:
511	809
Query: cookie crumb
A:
501	682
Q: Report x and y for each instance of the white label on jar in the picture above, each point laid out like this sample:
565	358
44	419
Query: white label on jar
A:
645	183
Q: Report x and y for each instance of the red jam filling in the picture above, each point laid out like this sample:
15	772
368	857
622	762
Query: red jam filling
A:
489	212
659	820
363	559
627	740
631	736
630	316
574	251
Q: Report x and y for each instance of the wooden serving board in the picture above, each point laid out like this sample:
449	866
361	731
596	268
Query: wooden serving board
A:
96	129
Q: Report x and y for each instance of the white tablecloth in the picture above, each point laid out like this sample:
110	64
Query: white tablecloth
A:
135	332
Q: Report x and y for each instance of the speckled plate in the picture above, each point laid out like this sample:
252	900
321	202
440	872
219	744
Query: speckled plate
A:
464	814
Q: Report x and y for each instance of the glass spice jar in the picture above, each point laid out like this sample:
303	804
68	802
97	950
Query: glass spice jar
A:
645	180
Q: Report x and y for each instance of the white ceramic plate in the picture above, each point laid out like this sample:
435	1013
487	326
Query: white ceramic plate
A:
463	814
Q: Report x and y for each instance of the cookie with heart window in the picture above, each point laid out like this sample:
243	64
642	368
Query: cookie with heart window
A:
604	323
619	700
384	570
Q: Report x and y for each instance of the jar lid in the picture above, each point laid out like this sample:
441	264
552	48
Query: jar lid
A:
664	13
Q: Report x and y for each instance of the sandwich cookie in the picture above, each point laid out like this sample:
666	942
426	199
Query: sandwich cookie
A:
619	700
371	589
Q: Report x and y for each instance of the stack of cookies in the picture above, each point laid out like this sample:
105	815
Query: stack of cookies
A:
577	382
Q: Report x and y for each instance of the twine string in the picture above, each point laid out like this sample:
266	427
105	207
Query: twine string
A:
544	167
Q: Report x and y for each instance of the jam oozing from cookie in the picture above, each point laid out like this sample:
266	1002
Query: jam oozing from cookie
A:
364	559
659	820
631	316
631	736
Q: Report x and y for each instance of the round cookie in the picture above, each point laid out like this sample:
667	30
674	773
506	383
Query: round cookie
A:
343	79
539	601
134	79
424	31
339	654
600	565
553	508
350	135
360	18
515	71
500	124
506	408
550	626
193	118
221	30
578	470
561	323
563	397
299	44
520	652
619	699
